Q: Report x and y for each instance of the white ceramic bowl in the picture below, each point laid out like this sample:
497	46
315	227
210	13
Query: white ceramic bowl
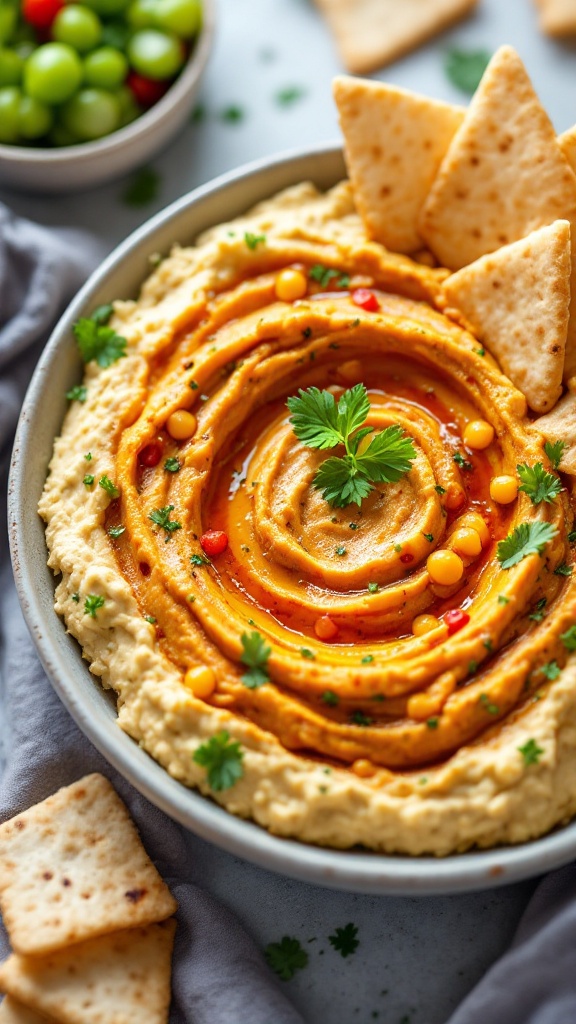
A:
67	168
93	708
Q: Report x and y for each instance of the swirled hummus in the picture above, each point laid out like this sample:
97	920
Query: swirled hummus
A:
382	735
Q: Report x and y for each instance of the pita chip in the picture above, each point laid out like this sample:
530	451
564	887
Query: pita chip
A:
517	301
13	1012
558	17
73	867
372	33
567	143
560	425
123	978
395	141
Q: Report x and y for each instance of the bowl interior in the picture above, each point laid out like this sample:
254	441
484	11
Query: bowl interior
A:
94	709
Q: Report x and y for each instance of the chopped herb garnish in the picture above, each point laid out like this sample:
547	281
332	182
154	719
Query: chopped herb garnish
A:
320	422
88	480
344	940
439	489
255	656
232	114
487	704
531	752
480	351
107	485
555	451
143	188
76	597
569	638
88	456
286	957
150	619
502	599
572	537
429	537
172	465
432	723
78	393
193	384
563	569
397	548
353	526
465	68
330	698
98	342
538	614
222	758
551	670
538	484
116	531
199	560
373	588
324	275
92	603
487	643
472	666
340	550
307	332
161	517
462	462
525	539
307	653
198	114
291	94
252	241
359	718
367	659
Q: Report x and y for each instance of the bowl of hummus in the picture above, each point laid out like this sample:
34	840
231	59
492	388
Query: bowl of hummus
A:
311	542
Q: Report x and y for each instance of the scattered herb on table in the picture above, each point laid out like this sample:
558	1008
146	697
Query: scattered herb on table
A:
232	114
525	539
344	940
143	188
286	957
255	656
289	95
538	484
465	68
222	758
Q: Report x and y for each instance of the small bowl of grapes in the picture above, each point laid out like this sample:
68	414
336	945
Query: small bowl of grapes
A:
91	89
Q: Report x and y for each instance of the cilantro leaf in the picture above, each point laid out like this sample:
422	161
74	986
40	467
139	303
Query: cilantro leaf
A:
531	752
551	670
525	539
339	488
388	456
78	393
143	187
92	603
555	452
563	569
462	462
314	418
465	68
569	638
286	957
199	560
537	483
344	940
255	656
538	614
161	517
99	342
222	759
88	480
116	531
108	485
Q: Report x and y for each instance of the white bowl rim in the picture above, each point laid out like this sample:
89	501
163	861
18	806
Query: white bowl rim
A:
144	124
355	871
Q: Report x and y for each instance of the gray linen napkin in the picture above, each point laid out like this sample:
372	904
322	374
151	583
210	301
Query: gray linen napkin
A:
219	976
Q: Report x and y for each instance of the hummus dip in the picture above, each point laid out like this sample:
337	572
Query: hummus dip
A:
368	724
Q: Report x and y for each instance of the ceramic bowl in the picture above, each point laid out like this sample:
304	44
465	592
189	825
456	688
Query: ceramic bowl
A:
71	168
93	708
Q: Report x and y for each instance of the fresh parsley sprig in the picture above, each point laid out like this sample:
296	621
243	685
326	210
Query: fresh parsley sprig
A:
319	422
222	759
286	957
525	539
255	656
344	940
555	452
96	341
161	517
537	483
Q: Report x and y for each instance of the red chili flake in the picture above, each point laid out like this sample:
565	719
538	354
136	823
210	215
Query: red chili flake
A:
456	619
146	91
366	299
151	454
214	542
407	558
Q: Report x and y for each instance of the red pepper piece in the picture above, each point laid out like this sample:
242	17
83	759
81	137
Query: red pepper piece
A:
214	542
366	299
456	619
407	558
151	454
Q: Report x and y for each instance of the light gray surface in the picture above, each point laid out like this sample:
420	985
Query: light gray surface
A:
427	954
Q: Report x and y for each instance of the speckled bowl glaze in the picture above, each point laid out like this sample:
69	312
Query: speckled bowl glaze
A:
92	708
71	168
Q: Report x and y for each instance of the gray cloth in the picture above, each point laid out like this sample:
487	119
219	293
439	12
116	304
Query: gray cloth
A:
219	976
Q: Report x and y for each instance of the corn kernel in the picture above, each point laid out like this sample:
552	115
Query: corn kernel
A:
504	489
466	541
181	425
424	624
445	567
290	285
201	680
478	434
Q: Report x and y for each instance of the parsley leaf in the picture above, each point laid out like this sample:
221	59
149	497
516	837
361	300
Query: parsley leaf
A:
525	539
88	480
255	656
538	614
143	188
307	653
537	483
172	465
323	275
359	718
462	462
291	94
531	752
222	759
92	603
465	68
107	485
116	531
344	940
161	517
551	670
286	957
373	588
252	241
563	569
102	314
319	422
555	452
569	638
330	698
199	560
232	114
99	342
78	393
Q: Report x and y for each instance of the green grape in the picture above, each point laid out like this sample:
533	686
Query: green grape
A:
52	73
10	97
142	14
11	65
156	55
78	26
116	34
105	68
91	113
129	109
8	15
34	118
107	7
183	17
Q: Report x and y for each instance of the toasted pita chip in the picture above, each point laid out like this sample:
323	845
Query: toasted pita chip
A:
372	33
517	301
394	141
13	1012
73	867
558	17
567	143
114	979
560	425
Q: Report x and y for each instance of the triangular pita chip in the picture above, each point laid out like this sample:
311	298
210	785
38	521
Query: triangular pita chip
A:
394	142
560	425
567	143
517	301
73	867
13	1012
123	978
371	33
558	17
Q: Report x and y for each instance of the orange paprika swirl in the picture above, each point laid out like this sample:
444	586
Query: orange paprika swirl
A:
375	691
